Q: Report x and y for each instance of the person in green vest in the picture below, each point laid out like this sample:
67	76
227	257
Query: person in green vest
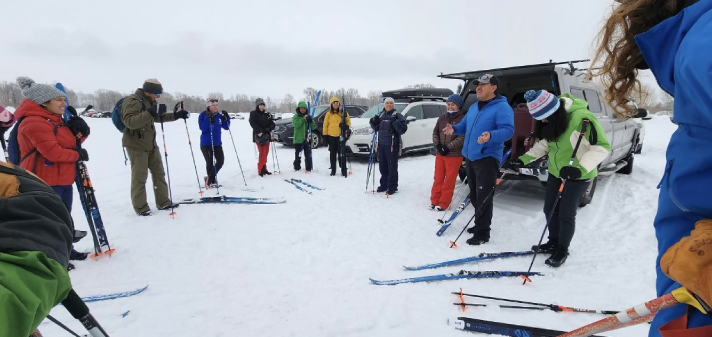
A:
301	122
558	126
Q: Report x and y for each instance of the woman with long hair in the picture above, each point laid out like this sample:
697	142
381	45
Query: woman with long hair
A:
560	121
670	38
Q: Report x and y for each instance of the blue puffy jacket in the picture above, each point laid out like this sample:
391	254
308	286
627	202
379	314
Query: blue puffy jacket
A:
390	131
673	51
496	117
217	125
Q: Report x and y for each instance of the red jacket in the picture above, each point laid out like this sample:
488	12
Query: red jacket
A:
55	159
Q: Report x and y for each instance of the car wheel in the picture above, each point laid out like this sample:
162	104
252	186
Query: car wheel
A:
628	169
315	140
588	196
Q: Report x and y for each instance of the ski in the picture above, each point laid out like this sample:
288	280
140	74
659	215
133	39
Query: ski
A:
504	329
297	186
221	199
453	216
306	184
476	258
462	274
97	298
87	198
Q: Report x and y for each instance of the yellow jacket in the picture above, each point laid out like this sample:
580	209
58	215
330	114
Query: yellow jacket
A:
333	119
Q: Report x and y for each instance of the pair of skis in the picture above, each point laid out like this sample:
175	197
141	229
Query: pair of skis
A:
302	185
503	329
87	196
222	199
463	274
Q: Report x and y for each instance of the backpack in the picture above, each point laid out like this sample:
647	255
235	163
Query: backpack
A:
116	113
13	146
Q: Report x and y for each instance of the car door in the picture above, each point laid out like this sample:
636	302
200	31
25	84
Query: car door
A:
353	111
594	105
431	113
413	138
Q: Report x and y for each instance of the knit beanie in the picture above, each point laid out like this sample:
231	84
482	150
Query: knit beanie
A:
38	93
152	86
259	102
541	103
457	99
388	99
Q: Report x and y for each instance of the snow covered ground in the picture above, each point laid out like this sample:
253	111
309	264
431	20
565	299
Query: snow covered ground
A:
302	268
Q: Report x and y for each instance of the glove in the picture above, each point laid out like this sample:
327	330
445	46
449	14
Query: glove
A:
375	120
225	116
78	125
83	155
157	110
689	261
443	150
570	173
211	118
72	110
181	114
394	117
344	126
308	118
516	164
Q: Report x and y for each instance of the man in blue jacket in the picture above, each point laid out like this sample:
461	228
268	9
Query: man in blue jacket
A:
391	125
487	125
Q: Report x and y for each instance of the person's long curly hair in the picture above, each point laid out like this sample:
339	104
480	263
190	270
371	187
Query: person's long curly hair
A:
555	126
617	52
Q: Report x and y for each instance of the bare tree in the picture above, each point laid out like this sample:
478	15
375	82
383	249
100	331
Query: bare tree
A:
287	104
10	94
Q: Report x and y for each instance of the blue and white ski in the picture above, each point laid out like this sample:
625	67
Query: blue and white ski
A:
476	258
97	298
297	186
306	184
462	274
221	199
453	216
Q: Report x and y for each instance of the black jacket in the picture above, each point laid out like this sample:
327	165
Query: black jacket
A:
261	122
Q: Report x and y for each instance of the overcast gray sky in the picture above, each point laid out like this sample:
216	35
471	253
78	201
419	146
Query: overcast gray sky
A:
274	47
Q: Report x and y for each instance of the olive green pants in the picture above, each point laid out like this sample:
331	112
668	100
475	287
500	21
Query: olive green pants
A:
141	163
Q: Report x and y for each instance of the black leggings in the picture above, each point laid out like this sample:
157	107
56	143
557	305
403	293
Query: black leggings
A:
563	222
335	152
208	155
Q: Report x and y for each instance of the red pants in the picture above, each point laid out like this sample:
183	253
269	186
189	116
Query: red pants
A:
264	152
446	169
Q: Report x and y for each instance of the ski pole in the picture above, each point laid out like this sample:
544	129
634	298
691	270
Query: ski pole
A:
255	149
464	305
456	197
168	171
370	160
558	196
642	313
213	158
190	145
126	159
4	147
55	321
553	307
238	157
499	180
76	307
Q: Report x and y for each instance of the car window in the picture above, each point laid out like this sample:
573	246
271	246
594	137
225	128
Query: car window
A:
353	112
578	93
377	109
594	103
431	111
443	109
415	111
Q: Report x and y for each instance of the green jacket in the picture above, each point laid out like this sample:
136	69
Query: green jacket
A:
300	127
140	131
592	151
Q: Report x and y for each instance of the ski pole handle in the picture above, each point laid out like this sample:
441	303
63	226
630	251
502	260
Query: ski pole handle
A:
76	307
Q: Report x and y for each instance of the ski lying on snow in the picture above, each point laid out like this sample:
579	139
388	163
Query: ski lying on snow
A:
306	184
480	257
97	298
504	329
221	199
462	274
295	184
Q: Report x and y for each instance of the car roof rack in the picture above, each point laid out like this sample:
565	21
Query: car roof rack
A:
534	68
419	93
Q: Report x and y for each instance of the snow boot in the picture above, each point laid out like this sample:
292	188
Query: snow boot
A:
168	207
78	235
558	258
439	209
431	207
381	189
471	230
333	172
391	192
297	165
264	171
70	267
77	256
475	241
546	248
145	213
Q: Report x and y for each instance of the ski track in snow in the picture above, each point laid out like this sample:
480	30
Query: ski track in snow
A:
302	268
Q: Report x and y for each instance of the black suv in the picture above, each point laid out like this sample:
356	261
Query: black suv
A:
284	131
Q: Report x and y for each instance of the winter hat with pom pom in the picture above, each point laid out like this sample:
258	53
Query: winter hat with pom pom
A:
7	119
541	103
38	93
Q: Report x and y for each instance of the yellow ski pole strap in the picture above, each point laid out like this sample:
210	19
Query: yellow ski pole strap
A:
683	295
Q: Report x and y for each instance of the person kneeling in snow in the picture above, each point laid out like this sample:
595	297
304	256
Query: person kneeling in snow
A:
559	124
36	233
